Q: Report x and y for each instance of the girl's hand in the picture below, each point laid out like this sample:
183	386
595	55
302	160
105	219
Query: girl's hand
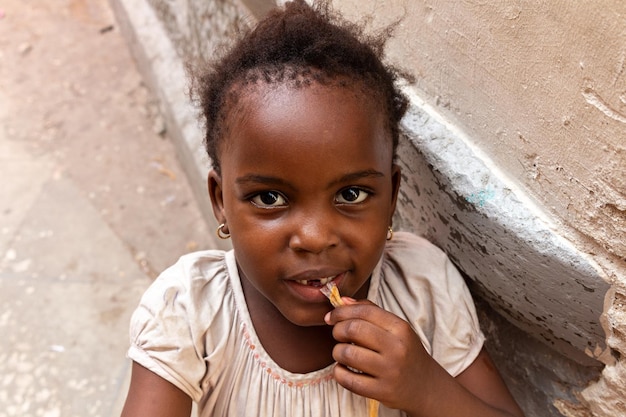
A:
398	372
385	348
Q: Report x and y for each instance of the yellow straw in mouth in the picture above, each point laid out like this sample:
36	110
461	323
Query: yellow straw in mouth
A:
331	291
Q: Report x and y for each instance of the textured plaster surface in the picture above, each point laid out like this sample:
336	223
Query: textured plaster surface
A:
539	87
513	162
537	375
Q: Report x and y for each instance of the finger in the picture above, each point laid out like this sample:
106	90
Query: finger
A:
361	332
383	323
347	301
361	384
359	359
363	309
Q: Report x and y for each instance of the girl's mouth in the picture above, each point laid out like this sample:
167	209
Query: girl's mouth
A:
316	282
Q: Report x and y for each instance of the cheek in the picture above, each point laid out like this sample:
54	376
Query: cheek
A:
366	239
252	260
255	245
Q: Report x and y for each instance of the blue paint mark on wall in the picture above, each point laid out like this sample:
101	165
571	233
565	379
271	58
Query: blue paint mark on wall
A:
481	197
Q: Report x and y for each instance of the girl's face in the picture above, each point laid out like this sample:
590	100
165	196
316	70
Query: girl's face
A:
307	191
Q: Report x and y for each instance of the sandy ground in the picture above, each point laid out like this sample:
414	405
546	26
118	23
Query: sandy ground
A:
93	204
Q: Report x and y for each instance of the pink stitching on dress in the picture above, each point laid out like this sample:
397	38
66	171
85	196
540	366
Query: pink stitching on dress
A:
276	376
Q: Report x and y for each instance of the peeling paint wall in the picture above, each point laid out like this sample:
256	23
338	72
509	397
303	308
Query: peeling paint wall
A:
514	161
529	273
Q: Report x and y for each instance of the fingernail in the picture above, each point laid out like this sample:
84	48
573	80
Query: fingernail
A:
327	318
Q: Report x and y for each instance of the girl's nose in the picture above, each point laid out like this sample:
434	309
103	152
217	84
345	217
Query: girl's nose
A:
313	235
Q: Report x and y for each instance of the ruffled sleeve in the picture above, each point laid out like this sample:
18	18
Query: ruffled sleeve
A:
166	335
420	284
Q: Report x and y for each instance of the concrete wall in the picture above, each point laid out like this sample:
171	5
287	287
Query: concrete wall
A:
514	161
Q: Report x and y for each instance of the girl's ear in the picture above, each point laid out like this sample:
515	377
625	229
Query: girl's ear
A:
396	176
214	183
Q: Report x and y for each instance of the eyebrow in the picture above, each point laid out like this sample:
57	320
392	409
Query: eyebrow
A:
261	179
354	176
269	180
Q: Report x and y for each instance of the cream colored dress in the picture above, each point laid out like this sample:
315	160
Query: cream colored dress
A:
193	328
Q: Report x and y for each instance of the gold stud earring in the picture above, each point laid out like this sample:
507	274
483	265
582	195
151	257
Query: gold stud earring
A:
389	233
221	233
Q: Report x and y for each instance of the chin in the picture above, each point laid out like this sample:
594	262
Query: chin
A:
308	318
308	322
311	324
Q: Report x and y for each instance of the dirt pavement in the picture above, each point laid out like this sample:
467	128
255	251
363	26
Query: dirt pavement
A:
93	204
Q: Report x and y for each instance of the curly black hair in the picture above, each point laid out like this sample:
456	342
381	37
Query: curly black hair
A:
299	44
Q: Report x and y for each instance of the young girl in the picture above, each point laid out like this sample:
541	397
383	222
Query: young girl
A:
302	127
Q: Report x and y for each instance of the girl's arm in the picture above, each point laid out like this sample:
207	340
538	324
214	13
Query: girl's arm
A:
401	374
151	395
483	380
477	391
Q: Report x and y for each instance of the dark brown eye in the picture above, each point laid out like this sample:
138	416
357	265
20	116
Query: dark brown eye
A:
351	195
269	199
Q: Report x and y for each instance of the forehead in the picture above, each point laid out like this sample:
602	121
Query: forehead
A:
312	116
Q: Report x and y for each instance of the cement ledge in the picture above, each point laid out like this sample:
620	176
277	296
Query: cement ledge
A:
497	235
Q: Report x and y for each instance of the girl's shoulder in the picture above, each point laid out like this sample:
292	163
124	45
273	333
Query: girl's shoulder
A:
408	250
190	288
194	271
414	265
180	318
